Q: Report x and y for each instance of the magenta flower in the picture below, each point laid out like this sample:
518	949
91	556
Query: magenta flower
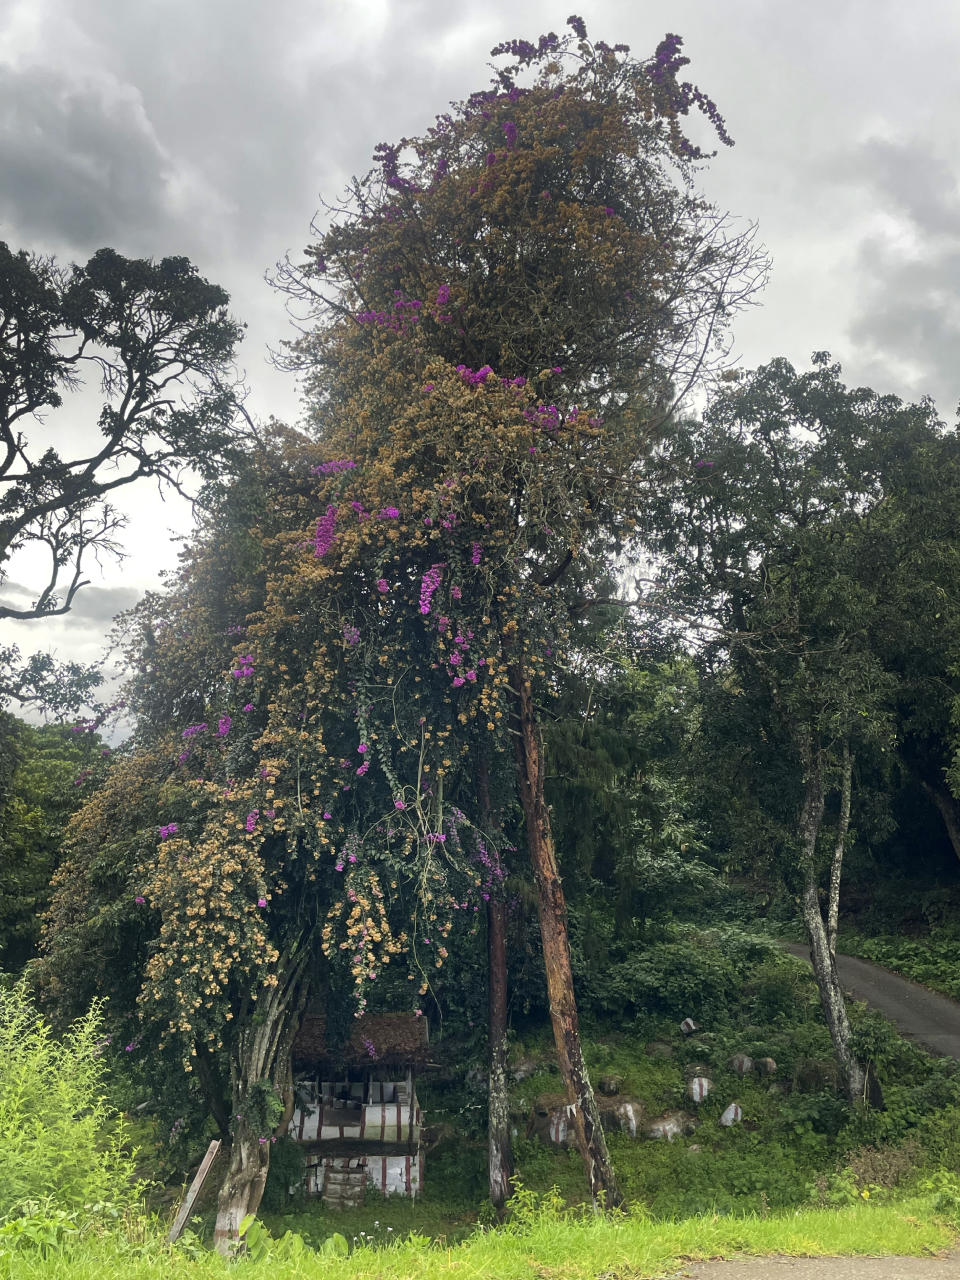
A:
328	816
428	586
324	536
510	133
362	748
223	726
261	902
248	706
476	553
398	804
389	513
139	900
252	817
331	468
383	586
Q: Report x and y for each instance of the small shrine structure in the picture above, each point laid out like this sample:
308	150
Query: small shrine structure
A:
355	1107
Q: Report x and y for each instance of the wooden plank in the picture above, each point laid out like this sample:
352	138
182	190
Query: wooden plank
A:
195	1187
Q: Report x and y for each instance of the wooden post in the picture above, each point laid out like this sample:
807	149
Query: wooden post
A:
190	1198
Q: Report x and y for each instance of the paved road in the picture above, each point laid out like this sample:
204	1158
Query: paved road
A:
926	1016
932	1020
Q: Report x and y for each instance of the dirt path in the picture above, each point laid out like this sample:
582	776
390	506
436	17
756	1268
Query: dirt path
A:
946	1268
926	1016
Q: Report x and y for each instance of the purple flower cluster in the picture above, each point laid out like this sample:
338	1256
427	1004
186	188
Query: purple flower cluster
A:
351	635
428	586
332	468
476	553
192	730
545	417
389	513
251	823
223	726
325	532
245	668
667	61
383	586
169	830
474	378
510	133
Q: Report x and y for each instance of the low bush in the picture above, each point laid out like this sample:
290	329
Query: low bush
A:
61	1145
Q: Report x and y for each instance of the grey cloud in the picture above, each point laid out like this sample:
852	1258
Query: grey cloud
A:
905	326
102	604
79	163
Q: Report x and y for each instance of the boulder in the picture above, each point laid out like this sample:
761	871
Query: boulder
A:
765	1066
673	1124
621	1115
741	1063
551	1122
658	1049
688	1026
698	1088
731	1116
610	1084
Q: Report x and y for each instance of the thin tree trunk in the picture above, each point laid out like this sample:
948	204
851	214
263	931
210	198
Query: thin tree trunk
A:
499	1146
824	966
836	864
261	1052
948	810
552	910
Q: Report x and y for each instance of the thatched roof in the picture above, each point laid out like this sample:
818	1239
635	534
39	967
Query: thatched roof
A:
393	1039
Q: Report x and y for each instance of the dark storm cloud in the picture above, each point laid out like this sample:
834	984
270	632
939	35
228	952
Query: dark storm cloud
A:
78	163
907	315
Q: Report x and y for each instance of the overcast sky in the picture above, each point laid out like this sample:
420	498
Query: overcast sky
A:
212	128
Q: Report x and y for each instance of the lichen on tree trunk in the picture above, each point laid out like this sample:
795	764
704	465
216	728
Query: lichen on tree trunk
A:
499	1145
824	963
552	910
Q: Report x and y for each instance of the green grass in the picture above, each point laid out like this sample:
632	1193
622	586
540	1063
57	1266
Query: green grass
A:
549	1244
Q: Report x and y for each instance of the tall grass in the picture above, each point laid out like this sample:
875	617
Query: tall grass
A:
61	1144
546	1244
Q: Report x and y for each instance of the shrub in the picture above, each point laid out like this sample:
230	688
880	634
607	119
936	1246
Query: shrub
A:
61	1144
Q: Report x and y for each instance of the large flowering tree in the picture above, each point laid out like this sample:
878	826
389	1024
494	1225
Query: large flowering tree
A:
357	654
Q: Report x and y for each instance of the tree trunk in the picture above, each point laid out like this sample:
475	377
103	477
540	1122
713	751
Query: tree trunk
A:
836	864
499	1146
824	965
260	1054
552	910
948	810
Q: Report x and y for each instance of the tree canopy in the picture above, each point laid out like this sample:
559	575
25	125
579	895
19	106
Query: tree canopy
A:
158	339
